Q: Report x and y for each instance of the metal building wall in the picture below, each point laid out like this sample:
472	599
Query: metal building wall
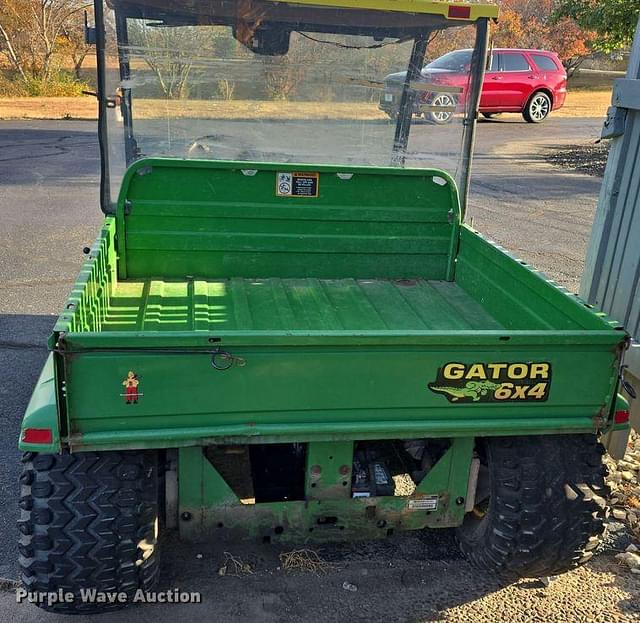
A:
611	279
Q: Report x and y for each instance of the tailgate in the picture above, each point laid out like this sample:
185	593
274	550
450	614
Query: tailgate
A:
323	387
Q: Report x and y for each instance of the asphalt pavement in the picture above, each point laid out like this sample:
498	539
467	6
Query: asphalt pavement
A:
49	211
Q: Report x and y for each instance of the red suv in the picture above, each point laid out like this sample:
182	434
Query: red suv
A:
531	82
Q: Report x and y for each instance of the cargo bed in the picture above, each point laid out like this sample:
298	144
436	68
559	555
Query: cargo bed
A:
354	314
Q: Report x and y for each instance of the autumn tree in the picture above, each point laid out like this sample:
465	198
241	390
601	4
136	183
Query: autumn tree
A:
31	32
613	22
525	24
14	38
534	24
170	53
73	44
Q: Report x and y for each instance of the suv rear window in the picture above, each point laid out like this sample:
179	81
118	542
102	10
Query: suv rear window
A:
514	62
546	63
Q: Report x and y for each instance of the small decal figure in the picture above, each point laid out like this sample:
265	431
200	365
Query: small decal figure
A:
131	384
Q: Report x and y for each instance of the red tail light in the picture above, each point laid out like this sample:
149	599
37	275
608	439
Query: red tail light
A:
621	417
37	435
460	12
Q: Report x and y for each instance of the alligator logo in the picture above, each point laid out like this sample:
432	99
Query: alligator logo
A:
473	390
497	382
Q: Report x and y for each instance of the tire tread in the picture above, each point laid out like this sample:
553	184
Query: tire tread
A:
83	518
547	506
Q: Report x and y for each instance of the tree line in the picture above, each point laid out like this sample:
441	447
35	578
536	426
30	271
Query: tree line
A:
35	34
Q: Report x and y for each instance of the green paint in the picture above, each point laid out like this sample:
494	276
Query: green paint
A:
482	425
42	411
209	220
200	487
328	512
328	472
328	357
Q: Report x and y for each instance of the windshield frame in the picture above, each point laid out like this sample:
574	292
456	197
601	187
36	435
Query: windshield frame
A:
479	55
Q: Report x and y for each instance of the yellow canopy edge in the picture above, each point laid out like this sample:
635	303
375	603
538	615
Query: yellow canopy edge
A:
434	7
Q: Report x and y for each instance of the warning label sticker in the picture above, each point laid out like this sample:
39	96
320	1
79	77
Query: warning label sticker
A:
294	184
428	503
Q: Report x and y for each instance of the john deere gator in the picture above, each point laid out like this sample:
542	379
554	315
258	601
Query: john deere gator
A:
285	331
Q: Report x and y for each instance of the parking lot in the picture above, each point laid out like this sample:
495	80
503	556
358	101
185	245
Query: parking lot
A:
542	213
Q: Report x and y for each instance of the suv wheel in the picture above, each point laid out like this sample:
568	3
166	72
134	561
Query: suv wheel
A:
443	100
537	108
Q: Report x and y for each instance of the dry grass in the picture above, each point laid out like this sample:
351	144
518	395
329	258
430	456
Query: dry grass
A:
579	104
585	104
48	108
234	566
305	560
86	108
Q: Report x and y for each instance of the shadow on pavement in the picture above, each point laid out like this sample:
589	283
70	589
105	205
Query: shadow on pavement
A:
36	152
535	185
22	353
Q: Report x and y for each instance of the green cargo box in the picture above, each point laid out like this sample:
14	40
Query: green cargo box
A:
246	316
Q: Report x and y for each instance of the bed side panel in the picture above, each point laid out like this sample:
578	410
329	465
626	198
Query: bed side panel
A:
517	295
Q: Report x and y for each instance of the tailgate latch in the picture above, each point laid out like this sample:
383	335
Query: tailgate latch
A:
222	360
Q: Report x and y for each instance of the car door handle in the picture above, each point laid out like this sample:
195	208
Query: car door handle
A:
497	78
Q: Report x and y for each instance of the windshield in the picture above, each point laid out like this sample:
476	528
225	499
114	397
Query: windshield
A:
454	61
182	87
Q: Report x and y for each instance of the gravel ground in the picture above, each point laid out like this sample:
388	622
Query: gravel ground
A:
589	158
624	482
411	578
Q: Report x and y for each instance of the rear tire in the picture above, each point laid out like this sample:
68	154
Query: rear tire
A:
546	507
89	521
538	108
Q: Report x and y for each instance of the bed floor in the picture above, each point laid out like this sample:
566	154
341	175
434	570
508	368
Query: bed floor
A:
294	304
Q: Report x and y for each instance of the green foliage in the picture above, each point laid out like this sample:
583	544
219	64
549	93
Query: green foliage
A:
613	21
9	87
59	84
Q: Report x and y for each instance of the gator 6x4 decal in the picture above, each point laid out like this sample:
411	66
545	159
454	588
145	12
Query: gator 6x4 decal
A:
493	382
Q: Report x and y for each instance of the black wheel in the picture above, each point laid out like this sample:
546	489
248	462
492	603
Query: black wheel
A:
442	117
89	521
540	505
538	108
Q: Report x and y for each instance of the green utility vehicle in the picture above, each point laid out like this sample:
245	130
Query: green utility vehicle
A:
285	331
